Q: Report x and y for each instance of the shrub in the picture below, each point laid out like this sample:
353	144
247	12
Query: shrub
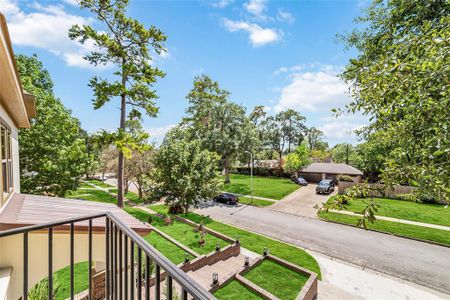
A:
345	178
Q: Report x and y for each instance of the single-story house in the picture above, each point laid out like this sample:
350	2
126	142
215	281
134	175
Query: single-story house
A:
315	172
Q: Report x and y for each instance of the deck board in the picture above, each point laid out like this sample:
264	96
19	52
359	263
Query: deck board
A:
23	209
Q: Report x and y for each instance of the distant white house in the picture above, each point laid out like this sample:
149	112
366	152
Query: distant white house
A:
318	171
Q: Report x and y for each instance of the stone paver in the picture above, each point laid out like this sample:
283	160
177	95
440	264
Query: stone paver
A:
223	268
301	202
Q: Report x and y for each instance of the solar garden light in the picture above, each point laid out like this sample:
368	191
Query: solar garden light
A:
217	247
215	278
247	261
186	257
237	240
266	251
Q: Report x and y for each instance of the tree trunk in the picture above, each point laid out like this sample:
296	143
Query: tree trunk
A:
227	170
123	111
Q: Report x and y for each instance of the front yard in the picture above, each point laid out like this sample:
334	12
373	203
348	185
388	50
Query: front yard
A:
253	241
406	210
279	187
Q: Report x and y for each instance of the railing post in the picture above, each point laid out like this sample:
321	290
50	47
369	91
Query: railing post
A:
72	246
169	288
25	265
90	258
132	280
107	256
139	275
120	265
125	275
147	277
50	263
158	282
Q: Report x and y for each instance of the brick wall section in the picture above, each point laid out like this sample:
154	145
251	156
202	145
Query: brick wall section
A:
206	260
98	285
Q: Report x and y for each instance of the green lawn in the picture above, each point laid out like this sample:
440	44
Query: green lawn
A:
279	187
92	195
234	290
182	232
414	211
256	202
100	183
271	276
253	241
61	280
168	249
413	231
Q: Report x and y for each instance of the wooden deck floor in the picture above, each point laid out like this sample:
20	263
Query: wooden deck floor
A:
23	210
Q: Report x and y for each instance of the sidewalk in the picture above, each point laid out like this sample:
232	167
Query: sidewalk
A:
403	221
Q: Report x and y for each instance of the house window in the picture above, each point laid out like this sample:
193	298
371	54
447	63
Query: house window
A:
6	155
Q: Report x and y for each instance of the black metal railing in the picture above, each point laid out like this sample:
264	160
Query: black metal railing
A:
132	265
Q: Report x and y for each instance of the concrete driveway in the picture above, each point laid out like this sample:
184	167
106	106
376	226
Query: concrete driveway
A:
302	202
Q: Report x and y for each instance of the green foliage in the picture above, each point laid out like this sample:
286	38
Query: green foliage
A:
345	153
52	152
126	44
295	161
400	78
185	173
315	138
219	124
345	178
286	128
40	290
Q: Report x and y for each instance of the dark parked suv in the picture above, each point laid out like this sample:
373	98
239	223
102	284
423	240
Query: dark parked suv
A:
227	198
325	186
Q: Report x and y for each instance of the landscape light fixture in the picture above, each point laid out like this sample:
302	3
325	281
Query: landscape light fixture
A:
215	278
247	261
266	251
186	257
217	247
237	240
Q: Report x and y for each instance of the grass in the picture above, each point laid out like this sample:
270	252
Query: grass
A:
253	241
92	195
412	231
279	187
174	253
256	202
100	183
407	210
182	232
61	280
234	290
271	276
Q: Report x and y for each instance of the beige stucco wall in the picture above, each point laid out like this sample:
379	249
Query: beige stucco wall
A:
11	255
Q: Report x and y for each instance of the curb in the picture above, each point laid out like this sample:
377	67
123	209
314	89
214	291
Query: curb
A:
388	233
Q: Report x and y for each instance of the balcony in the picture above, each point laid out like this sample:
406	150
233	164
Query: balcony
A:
127	267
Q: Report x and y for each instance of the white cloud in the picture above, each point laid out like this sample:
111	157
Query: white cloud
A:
257	8
313	90
285	16
8	7
46	27
221	3
258	36
341	130
71	2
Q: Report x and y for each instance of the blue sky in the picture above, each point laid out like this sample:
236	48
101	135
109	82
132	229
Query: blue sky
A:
280	54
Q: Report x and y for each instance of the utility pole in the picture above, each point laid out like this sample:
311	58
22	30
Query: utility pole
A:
346	157
251	175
